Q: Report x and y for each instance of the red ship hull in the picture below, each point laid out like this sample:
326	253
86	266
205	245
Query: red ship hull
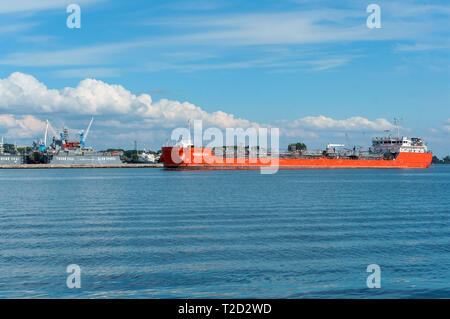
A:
203	158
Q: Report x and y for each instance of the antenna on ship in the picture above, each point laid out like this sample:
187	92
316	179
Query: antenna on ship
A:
396	124
347	139
188	143
189	124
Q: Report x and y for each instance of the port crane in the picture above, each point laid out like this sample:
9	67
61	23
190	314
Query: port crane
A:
83	135
64	137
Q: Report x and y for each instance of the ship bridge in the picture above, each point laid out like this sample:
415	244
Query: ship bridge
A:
398	145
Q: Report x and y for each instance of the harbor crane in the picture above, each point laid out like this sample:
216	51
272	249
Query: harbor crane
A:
84	135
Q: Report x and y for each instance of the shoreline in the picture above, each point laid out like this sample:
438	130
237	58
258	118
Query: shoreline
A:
56	166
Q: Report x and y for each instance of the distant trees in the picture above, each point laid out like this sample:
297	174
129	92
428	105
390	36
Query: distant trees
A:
445	160
23	150
297	147
11	149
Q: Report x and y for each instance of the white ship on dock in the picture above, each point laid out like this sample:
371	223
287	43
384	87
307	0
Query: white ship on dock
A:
9	159
63	151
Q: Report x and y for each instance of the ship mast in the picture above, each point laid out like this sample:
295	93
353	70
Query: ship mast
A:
396	122
190	140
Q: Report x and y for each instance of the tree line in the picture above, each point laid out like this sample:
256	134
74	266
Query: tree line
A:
445	160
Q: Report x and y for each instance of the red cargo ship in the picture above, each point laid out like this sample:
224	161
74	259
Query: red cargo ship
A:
386	152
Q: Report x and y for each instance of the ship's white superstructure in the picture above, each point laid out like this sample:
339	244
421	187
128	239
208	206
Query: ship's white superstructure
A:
398	145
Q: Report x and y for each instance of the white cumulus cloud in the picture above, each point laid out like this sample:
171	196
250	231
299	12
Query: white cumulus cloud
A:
25	126
26	103
23	93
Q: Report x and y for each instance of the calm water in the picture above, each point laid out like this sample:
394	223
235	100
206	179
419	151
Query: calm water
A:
149	233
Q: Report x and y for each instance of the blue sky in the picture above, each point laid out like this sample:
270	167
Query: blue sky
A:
312	68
